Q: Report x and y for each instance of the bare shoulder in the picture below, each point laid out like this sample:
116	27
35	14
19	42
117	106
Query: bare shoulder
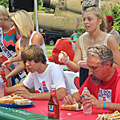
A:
37	35
17	45
112	43
37	39
111	40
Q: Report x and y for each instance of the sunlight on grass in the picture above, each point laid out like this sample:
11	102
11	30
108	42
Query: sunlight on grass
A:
49	49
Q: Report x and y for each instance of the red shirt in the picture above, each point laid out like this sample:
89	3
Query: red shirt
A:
105	91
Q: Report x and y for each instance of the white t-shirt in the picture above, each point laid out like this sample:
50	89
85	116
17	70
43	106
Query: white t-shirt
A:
53	75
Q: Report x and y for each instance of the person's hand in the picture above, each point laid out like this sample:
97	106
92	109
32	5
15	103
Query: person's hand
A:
23	92
83	63
6	63
7	77
63	57
68	100
94	102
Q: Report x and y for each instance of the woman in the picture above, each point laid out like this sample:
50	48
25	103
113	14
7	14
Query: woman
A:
95	24
25	28
9	39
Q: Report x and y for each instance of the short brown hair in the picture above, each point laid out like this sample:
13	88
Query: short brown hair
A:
33	52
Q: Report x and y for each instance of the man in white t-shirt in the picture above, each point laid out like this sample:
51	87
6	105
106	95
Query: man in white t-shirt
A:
41	76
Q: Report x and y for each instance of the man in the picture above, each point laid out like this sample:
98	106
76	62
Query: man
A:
110	29
103	81
41	76
75	36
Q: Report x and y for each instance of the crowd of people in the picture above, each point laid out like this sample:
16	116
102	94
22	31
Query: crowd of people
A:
96	56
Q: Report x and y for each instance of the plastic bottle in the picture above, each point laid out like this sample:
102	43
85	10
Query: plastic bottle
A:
86	110
53	104
3	76
1	87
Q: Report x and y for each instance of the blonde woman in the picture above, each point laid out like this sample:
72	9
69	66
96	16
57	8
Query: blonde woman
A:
95	24
8	40
25	28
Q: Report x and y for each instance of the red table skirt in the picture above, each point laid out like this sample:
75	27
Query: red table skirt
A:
41	107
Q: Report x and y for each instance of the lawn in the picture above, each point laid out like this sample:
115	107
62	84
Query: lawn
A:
49	49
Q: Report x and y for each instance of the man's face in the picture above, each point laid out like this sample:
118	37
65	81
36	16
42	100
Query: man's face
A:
96	68
109	25
31	66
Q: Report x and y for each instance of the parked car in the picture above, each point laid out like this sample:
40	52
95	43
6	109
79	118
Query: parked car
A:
51	37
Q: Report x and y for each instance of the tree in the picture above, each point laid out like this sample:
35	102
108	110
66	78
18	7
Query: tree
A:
5	3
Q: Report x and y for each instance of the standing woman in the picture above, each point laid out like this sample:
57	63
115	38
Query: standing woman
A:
95	24
25	28
8	42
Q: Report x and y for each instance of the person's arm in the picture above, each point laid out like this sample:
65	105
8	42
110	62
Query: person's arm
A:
73	65
113	45
15	71
112	106
20	66
23	92
61	92
94	102
38	39
46	96
15	59
13	89
10	61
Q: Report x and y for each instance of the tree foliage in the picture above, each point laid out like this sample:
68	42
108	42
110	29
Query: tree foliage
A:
114	11
5	3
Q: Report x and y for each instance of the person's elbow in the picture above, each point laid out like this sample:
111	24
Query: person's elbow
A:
61	93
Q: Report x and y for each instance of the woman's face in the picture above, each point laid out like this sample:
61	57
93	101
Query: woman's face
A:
90	21
1	22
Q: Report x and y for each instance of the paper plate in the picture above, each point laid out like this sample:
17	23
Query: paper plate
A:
17	106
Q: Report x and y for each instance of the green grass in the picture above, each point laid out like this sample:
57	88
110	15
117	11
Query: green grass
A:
49	47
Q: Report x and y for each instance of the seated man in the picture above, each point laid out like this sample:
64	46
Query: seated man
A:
111	30
103	81
41	76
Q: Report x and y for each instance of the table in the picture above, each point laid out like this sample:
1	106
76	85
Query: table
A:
41	107
39	111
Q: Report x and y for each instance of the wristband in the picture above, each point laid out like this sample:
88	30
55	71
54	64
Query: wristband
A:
104	105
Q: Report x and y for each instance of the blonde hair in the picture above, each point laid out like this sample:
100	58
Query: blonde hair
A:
98	12
24	22
4	13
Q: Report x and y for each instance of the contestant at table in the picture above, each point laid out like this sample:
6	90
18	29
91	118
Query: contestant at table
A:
103	81
41	76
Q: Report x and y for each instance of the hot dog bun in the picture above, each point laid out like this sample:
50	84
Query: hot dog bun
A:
7	101
112	116
22	101
14	99
74	106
